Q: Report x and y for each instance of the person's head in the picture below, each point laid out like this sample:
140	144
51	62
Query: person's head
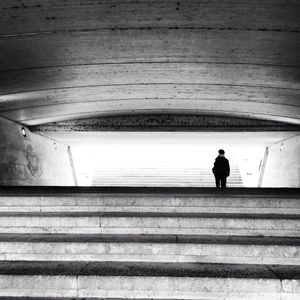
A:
221	152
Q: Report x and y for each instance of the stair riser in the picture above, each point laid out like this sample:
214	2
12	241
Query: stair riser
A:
88	230
150	225
148	287
192	253
147	210
152	201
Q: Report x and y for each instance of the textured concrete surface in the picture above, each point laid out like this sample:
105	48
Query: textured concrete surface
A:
150	252
231	203
151	238
164	122
251	212
145	269
168	13
66	60
148	287
31	159
149	225
146	253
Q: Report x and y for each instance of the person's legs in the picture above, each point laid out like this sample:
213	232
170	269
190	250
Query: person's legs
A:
217	179
223	182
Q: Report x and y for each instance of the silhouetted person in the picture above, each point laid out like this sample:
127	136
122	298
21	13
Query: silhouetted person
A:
221	169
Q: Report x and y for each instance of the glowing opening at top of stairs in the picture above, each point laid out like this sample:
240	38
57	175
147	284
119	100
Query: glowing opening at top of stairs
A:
170	159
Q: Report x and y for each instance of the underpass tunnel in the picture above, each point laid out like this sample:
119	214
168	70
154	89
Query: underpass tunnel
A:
112	114
74	154
188	77
178	150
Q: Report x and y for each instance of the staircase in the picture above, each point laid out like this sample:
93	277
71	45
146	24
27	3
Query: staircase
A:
149	243
170	173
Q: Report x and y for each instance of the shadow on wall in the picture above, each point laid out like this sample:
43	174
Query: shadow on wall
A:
20	66
282	166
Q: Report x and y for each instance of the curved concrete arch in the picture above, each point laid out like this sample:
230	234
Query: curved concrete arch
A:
80	110
152	73
157	45
64	60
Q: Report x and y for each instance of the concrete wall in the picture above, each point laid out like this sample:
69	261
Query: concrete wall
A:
33	159
282	167
165	122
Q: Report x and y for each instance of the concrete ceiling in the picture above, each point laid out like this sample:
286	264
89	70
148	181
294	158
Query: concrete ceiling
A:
72	59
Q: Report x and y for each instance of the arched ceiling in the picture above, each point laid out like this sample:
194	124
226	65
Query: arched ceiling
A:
72	59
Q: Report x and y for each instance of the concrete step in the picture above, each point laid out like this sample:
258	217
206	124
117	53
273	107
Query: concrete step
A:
118	251
150	225
169	184
165	170
191	175
158	182
91	280
154	238
141	243
218	203
69	190
109	268
154	210
136	287
164	174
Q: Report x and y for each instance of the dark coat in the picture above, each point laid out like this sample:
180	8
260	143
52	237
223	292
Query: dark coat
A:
221	167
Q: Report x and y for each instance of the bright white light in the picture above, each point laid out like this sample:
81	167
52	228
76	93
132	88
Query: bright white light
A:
23	131
281	146
161	163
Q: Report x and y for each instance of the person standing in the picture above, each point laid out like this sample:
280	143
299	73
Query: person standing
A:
221	169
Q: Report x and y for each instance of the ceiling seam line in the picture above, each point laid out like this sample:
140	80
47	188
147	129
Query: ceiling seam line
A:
150	84
153	63
149	28
141	99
